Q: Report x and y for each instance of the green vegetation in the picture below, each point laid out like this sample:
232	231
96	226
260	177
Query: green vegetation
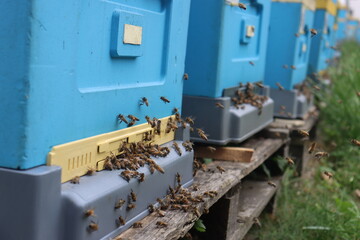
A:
318	207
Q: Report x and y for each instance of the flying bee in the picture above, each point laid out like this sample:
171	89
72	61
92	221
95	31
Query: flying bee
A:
303	133
189	120
130	206
119	203
293	67
329	174
272	184
186	76
121	220
290	161
313	32
355	142
260	85
178	178
93	226
257	222
281	88
75	180
212	149
145	101
282	107
165	100
312	148
177	148
133	118
285	66
91	171
122	118
137	225
221	169
242	6
89	213
321	154
316	88
161	224
219	105
133	196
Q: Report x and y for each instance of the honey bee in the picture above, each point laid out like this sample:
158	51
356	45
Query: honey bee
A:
160	213
313	32
196	212
303	133
165	100
312	148
221	169
161	224
329	174
358	94
126	175
186	76
175	110
257	222
219	105
131	206
178	178
242	6
152	168
195	188
189	120
355	142
122	119
252	63
260	85
133	196
89	213
212	149
141	177
285	66
290	161
177	148
272	184
131	123
119	203
158	127
321	154
121	220
160	169
93	226
281	88
316	88
282	107
145	101
293	67
133	118
137	225
202	134
90	171
75	180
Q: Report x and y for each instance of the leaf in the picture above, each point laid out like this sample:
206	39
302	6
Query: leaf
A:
199	226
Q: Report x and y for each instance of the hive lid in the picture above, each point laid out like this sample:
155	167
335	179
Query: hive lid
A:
307	3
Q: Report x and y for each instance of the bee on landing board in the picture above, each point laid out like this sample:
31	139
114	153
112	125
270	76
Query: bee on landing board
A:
272	184
221	169
75	180
161	224
93	226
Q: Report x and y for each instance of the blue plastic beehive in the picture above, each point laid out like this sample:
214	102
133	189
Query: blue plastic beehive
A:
289	43
351	27
321	44
341	22
70	67
223	40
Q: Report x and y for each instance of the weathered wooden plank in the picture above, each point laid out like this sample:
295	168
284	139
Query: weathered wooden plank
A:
179	222
254	197
235	154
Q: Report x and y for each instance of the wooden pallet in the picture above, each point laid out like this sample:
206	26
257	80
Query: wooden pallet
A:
179	222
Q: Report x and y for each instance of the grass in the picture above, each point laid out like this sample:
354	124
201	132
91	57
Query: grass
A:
317	208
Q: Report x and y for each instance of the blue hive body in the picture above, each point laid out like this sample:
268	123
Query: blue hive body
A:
290	25
341	21
67	70
221	44
321	44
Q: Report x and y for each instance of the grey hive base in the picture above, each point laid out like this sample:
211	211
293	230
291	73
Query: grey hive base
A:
35	205
294	102
225	125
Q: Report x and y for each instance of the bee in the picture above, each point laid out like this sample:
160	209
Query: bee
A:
133	196
131	123
141	177
281	88
189	120
358	94
272	184
196	212
297	35
285	66
108	165
126	175
152	168
131	206
121	220
137	225
312	148
145	101
75	180
133	118
177	148
221	169
161	224
160	169
211	149
316	88
178	178
186	76
321	154
293	67
252	63
158	127
175	110
93	226
165	100
195	188
260	85
303	133
119	203
122	119
219	105
90	171
160	213
257	222
282	107
290	161
202	134
329	174
313	32
89	213
355	142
